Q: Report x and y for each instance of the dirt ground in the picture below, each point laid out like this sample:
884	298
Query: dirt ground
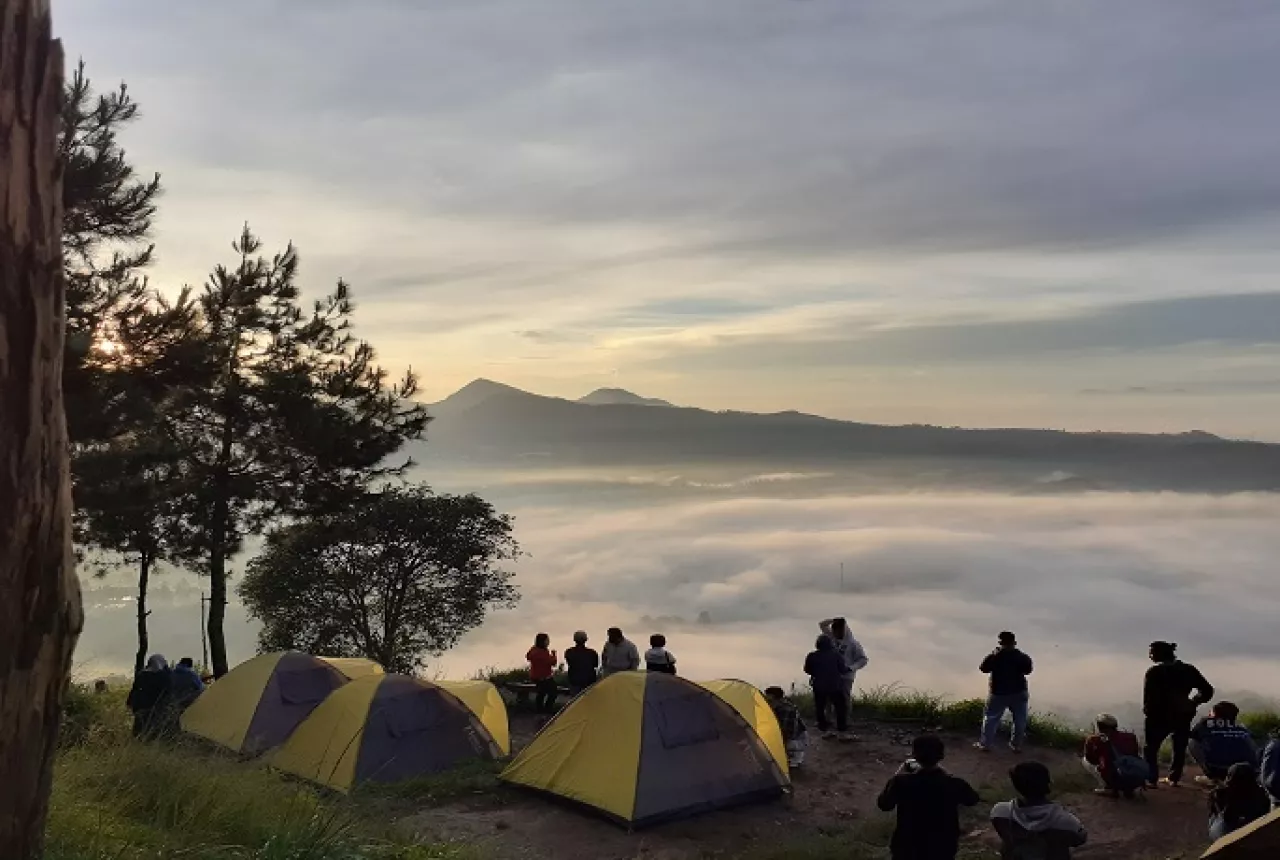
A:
835	793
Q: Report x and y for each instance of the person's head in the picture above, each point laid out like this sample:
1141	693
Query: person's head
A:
187	663
839	626
823	643
100	686
775	694
1007	640
928	750
542	640
1106	723
1241	776
657	640
1225	711
615	635
157	663
1163	652
1031	780
580	638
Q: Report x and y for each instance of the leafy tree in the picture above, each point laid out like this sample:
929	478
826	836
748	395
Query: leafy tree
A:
132	505
107	213
288	414
397	577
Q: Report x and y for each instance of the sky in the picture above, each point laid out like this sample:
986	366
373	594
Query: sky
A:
961	212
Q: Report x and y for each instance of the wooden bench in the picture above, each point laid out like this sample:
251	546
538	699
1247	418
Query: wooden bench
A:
523	690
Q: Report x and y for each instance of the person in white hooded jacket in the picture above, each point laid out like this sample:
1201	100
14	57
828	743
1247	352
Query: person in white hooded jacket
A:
1033	827
849	648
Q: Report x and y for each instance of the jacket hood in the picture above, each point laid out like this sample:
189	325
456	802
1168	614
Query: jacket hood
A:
1035	819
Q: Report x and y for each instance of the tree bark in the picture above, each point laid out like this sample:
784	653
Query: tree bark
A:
40	613
144	574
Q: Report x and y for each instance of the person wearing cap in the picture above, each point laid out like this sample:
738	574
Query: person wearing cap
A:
582	663
1103	751
1008	668
1218	741
795	734
1169	706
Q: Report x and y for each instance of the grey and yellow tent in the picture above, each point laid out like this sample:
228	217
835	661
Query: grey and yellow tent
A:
389	728
354	667
643	747
754	708
258	704
1257	841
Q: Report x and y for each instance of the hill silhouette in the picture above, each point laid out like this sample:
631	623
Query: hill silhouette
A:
488	422
619	397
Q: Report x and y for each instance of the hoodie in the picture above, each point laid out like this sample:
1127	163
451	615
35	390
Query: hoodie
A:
1166	692
1271	770
1045	831
1224	742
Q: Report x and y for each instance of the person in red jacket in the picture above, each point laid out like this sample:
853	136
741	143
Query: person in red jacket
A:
1102	751
542	670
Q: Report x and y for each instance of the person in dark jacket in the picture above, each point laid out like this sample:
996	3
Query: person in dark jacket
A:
1008	668
1218	741
1169	706
826	670
150	699
795	735
185	684
1032	827
1271	769
583	663
928	801
1237	803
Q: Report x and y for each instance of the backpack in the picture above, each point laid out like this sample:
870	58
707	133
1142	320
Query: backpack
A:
1131	772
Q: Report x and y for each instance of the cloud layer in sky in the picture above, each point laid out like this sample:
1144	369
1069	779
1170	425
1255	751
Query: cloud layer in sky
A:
960	212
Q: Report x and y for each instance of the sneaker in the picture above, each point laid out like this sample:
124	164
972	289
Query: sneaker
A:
1106	792
1205	781
981	747
1170	782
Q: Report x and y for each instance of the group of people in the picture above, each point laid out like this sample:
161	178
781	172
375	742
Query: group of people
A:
584	665
160	694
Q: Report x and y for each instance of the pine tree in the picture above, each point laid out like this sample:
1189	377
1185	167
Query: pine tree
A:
294	416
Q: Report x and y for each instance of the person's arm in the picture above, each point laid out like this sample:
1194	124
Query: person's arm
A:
808	664
633	658
888	799
1092	751
1271	769
595	661
1078	836
1027	665
1204	690
988	663
966	796
825	625
1149	693
859	655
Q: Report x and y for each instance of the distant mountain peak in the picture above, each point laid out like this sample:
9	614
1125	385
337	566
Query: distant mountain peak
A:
619	397
476	392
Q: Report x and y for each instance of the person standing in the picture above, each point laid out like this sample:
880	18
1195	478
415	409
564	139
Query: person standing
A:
186	684
150	698
620	654
849	649
542	670
1008	668
1169	706
826	669
928	801
583	662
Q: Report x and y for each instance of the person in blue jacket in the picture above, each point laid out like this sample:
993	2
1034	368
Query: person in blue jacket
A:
1271	769
1219	740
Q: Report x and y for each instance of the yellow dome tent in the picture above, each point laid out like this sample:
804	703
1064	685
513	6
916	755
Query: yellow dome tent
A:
354	667
258	704
1259	840
643	747
754	708
486	703
389	728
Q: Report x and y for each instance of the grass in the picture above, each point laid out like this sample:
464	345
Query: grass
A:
117	799
897	703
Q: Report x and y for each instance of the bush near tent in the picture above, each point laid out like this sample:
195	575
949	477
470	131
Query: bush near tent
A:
1259	840
644	747
391	728
258	704
748	701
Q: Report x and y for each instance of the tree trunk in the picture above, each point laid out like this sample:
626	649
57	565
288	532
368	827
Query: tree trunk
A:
144	574
40	614
218	581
